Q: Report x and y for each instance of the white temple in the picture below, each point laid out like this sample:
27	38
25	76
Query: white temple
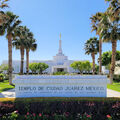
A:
60	62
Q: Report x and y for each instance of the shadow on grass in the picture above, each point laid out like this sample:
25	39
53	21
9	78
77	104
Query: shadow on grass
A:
5	89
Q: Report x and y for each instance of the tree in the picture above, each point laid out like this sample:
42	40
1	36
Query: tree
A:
38	67
87	66
114	10
96	26
111	33
92	47
3	3
30	45
20	41
33	67
8	27
106	57
5	67
41	67
81	66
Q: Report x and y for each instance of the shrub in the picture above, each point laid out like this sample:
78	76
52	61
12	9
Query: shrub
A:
1	77
64	108
59	73
116	78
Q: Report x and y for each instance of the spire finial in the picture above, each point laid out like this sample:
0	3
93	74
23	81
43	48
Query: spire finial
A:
60	36
60	45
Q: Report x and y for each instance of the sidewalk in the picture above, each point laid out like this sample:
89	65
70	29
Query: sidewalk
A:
112	93
11	93
8	94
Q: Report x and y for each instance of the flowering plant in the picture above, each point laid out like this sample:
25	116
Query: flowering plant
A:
109	117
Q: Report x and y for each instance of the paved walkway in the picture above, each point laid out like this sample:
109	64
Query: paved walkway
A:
11	94
8	94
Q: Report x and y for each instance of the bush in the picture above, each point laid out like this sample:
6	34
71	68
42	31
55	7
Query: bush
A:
59	73
63	108
1	77
116	78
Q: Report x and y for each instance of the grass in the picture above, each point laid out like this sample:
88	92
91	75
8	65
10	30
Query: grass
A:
5	86
114	86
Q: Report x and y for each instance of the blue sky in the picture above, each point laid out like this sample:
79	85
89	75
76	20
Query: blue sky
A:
47	18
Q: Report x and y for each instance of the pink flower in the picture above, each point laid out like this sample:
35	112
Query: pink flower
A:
25	116
88	116
34	114
16	111
108	116
67	113
40	114
27	113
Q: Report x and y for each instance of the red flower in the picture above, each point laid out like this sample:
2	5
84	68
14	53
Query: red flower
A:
40	114
108	116
88	116
34	114
27	113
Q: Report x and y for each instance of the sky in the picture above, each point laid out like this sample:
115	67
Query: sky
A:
48	18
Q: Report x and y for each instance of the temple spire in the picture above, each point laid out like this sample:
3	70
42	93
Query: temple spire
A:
60	36
60	45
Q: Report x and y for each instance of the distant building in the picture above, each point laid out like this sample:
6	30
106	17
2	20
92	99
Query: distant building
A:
117	68
59	63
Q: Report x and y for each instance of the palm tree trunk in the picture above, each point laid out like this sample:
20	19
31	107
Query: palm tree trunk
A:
100	56
93	58
27	61
10	57
22	59
114	45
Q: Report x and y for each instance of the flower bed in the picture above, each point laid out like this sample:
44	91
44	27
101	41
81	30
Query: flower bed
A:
60	109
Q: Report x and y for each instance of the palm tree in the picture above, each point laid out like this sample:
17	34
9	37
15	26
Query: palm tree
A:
3	3
8	27
114	10
111	33
92	47
96	26
31	45
19	42
110	30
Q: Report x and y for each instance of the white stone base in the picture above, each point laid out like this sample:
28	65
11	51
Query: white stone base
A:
61	86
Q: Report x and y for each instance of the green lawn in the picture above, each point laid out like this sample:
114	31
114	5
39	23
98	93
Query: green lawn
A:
114	86
5	86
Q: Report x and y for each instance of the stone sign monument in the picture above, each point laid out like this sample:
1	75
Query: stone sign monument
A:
60	86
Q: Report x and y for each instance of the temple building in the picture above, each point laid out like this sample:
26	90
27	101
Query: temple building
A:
60	63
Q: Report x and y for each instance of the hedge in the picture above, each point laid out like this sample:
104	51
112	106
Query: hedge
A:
98	108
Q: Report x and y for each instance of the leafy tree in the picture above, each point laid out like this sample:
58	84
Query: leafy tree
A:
5	67
87	66
92	47
81	66
41	67
33	67
38	67
8	27
106	58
